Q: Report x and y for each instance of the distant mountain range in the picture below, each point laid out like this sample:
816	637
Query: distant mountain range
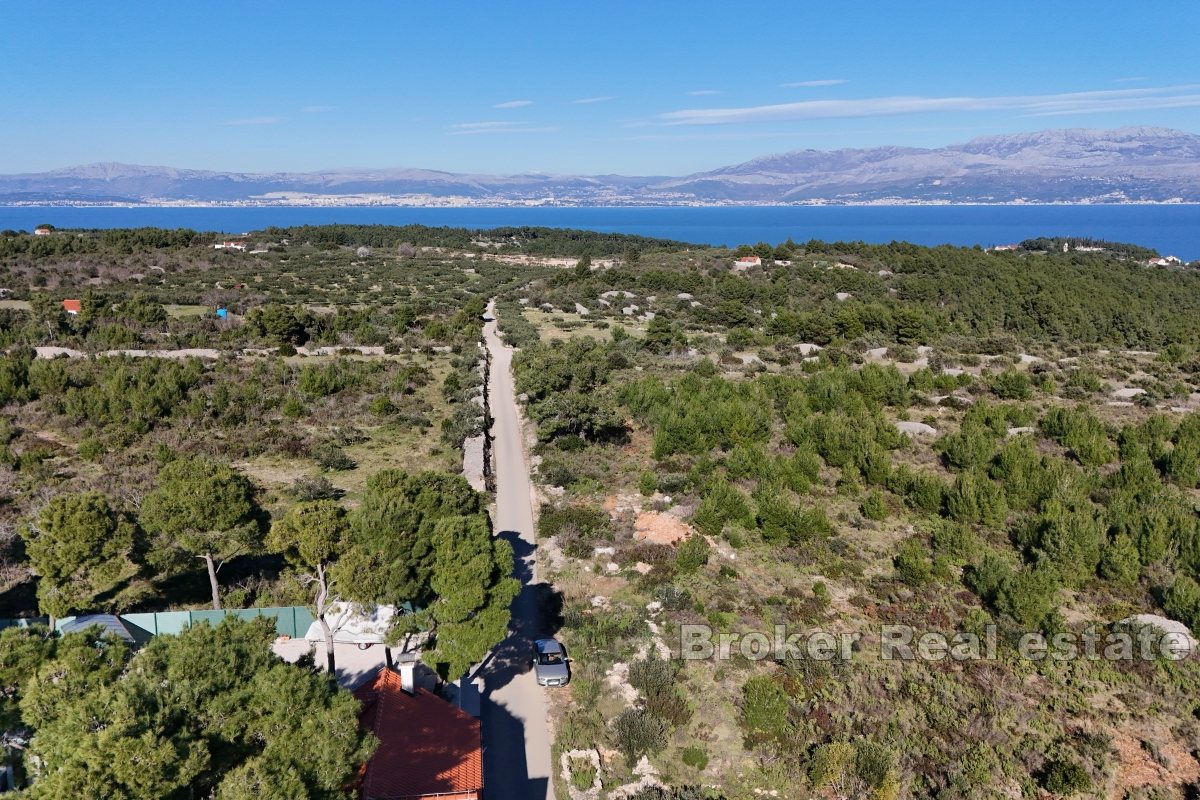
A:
1056	166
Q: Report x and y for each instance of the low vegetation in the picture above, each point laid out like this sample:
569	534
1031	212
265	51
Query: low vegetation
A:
845	437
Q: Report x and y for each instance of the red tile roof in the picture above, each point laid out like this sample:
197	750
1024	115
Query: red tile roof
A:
427	747
72	306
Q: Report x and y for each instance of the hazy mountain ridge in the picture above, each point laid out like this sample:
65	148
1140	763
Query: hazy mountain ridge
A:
1072	165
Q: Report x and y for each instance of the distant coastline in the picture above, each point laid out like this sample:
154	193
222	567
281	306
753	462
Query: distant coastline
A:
468	202
1125	166
1169	228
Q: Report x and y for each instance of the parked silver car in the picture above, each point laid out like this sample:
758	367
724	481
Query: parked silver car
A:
550	663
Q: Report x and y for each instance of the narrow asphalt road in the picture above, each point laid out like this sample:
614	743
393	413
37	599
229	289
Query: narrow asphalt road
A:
516	738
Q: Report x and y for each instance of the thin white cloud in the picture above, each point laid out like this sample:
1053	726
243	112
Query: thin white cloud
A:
811	84
790	135
1132	104
1135	79
483	125
317	109
497	127
583	101
1039	105
254	121
704	92
702	137
514	104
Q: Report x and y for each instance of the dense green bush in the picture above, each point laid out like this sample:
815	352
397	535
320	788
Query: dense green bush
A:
638	732
912	564
766	710
975	498
695	757
970	448
1012	384
874	506
691	555
1065	777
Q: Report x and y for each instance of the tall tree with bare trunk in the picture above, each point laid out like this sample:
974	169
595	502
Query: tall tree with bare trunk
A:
312	536
202	509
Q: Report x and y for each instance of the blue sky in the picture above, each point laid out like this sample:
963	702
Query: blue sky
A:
658	88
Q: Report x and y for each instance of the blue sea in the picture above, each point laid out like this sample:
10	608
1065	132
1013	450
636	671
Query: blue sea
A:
1172	230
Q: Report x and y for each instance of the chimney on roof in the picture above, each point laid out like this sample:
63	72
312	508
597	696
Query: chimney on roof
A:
406	665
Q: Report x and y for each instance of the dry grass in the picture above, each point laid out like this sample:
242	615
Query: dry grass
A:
548	328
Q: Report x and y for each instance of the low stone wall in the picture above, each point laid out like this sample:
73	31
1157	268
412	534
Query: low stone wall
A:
477	449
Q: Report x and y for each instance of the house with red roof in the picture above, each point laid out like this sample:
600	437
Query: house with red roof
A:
72	306
428	748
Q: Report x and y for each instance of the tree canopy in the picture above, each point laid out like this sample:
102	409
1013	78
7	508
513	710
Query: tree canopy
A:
81	549
208	713
204	509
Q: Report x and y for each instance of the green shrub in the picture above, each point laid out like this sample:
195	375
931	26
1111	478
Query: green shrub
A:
583	774
578	528
971	447
655	679
315	487
874	506
1121	563
989	577
920	489
1082	433
1083	382
91	449
1065	777
975	498
330	456
691	555
912	564
637	732
382	405
863	769
1072	537
695	757
766	709
293	407
956	542
1029	597
1182	601
1011	384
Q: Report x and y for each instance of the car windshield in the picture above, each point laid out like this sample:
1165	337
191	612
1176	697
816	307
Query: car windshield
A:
550	658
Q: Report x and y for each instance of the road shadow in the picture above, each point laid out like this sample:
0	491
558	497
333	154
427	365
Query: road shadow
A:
505	771
536	614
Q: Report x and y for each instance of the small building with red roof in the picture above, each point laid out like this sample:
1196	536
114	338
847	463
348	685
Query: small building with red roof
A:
72	306
428	748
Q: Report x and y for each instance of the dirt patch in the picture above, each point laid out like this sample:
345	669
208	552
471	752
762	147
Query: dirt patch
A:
1136	767
656	528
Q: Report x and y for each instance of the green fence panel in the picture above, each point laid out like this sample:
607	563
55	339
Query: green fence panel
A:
172	622
213	618
147	622
302	621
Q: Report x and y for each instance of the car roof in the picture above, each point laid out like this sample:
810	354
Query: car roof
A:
548	646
